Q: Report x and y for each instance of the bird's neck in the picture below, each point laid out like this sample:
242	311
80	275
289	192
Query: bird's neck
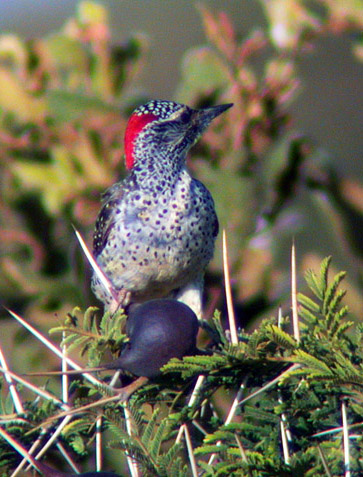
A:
158	170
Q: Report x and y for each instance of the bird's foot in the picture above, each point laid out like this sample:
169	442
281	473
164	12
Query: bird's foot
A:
125	392
121	298
121	394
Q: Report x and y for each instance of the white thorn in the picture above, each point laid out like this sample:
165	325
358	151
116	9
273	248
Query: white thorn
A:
130	461
102	277
12	387
347	472
227	284
99	444
295	315
54	348
190	451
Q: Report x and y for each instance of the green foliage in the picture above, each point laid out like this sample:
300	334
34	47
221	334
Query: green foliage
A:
93	336
144	445
306	399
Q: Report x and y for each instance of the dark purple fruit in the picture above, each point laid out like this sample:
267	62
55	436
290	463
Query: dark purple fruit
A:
158	331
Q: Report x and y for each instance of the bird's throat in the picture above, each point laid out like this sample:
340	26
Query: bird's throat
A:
158	171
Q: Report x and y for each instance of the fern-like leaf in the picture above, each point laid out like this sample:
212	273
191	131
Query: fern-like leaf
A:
282	338
331	290
310	361
210	449
219	328
155	443
323	279
308	303
150	428
336	300
167	459
314	284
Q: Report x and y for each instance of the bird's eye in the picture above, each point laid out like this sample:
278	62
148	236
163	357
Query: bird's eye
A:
185	117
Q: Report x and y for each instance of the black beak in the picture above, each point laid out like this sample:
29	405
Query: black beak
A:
206	115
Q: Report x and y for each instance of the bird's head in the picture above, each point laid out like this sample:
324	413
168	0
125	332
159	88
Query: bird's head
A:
165	126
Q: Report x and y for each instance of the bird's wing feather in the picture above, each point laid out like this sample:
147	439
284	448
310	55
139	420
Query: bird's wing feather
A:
106	217
203	191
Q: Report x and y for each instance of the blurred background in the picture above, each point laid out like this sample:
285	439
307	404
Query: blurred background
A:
284	164
329	103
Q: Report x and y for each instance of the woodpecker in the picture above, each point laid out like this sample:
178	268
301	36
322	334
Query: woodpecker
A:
155	233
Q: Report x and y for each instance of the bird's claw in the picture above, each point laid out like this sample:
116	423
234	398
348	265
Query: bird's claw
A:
121	298
125	392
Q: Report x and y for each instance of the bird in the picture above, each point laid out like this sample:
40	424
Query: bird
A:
156	230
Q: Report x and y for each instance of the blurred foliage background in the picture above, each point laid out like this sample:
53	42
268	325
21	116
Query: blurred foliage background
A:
65	97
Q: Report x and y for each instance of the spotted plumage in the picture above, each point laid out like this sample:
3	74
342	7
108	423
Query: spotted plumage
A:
156	230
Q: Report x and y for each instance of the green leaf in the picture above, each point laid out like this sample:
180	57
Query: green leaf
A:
76	426
155	444
78	445
218	326
308	303
209	449
281	337
310	361
167	459
307	315
335	302
342	328
342	312
330	294
324	270
314	284
150	428
67	105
